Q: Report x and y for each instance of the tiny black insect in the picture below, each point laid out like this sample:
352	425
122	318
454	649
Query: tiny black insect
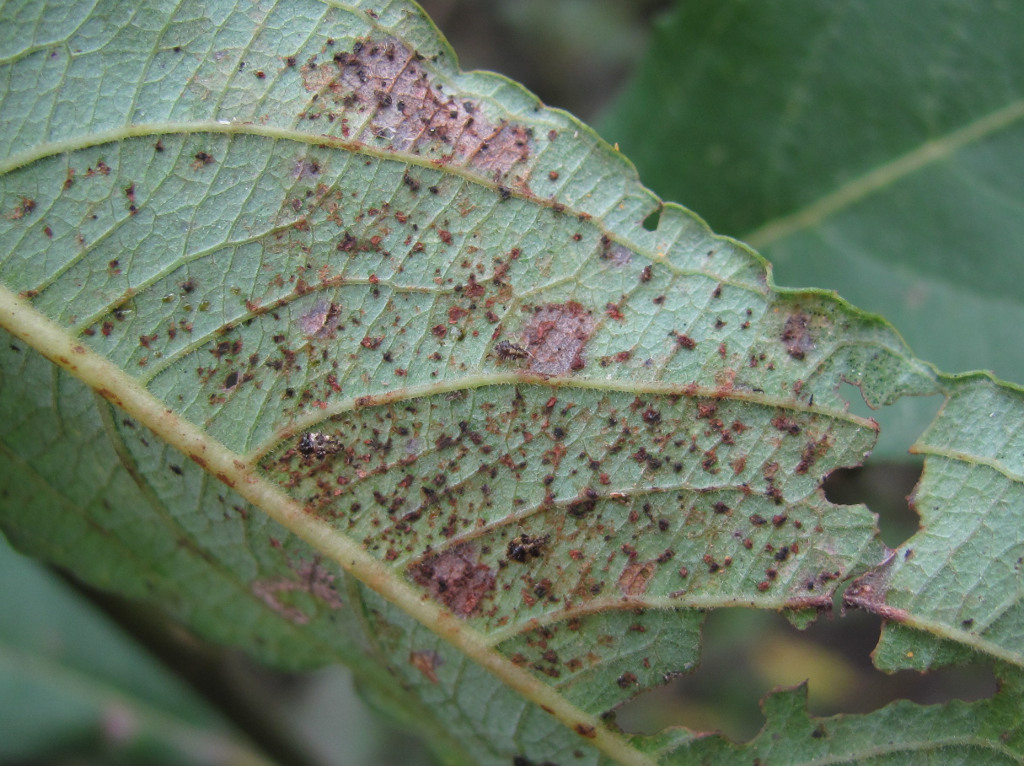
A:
319	444
519	548
506	350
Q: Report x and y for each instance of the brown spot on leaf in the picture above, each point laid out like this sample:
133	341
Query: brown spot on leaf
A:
635	577
409	113
685	341
585	730
202	158
312	579
796	336
556	336
813	450
23	208
320	320
786	425
306	168
456	313
456	578
426	661
619	255
627	680
583	504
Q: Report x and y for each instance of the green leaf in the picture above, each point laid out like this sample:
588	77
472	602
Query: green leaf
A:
869	148
987	731
959	577
69	681
361	359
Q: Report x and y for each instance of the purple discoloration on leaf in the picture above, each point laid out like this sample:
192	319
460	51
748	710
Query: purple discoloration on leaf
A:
556	336
313	579
320	320
456	578
409	112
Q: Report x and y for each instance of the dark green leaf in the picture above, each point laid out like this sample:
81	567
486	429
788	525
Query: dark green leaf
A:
70	682
872	148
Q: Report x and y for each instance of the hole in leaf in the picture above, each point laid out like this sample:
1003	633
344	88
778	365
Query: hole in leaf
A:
747	654
901	422
883	487
652	221
884	481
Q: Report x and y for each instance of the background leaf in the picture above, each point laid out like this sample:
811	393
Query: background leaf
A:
70	683
979	732
872	149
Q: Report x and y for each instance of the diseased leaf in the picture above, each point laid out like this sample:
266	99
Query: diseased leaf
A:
987	731
959	577
362	359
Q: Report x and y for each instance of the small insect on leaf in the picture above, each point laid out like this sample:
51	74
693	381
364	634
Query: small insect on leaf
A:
523	546
506	350
318	444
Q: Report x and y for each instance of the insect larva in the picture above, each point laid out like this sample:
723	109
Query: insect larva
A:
507	350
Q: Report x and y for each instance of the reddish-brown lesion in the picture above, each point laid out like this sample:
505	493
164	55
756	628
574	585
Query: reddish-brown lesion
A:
457	578
410	112
813	451
427	662
636	576
312	578
796	335
556	337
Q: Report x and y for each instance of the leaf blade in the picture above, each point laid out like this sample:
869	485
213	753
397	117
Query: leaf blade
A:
254	214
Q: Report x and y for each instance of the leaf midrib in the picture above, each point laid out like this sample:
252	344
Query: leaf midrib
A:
115	385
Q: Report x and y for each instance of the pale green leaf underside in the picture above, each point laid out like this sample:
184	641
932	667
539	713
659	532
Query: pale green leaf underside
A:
424	307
